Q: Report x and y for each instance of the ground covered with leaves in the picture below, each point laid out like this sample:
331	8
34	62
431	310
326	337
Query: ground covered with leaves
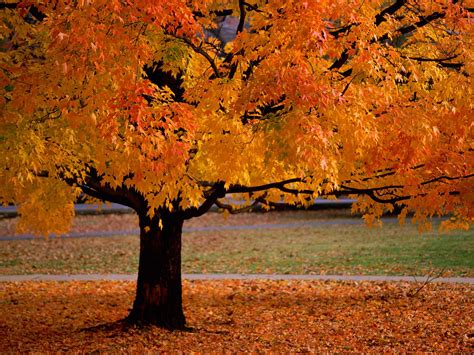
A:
242	316
312	242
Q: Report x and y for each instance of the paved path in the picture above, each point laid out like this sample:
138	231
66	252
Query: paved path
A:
133	277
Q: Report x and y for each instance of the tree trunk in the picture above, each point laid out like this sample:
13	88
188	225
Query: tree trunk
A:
158	299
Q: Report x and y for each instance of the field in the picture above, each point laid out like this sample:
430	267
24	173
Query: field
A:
297	242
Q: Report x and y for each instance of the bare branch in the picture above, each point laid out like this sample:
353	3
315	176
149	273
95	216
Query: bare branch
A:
429	279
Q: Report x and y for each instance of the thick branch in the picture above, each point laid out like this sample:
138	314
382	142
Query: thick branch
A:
341	60
233	210
380	17
105	197
247	189
225	12
92	185
129	196
216	192
106	192
372	192
12	5
408	29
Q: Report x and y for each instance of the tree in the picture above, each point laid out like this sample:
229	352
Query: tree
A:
132	102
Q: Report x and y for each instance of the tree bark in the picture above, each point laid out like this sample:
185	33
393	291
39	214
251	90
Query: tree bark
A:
158	299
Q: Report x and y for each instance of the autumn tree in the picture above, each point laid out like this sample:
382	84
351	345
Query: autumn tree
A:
134	102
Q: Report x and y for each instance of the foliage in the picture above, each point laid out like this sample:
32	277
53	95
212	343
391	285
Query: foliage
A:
132	102
243	316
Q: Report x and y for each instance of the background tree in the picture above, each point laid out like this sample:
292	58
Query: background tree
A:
132	102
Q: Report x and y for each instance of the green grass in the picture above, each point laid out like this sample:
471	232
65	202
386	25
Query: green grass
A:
392	250
333	249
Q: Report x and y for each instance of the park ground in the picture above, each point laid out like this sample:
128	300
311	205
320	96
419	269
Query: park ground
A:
251	315
280	316
292	242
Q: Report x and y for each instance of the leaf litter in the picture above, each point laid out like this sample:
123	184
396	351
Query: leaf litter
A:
302	316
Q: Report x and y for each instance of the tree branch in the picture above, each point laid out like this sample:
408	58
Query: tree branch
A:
243	14
11	5
374	193
103	196
423	59
217	191
407	29
336	32
202	52
240	28
247	189
233	210
380	17
225	12
445	177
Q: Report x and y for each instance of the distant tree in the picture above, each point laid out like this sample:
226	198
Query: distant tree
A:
134	102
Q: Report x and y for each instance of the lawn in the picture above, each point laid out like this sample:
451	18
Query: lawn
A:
242	316
246	316
311	243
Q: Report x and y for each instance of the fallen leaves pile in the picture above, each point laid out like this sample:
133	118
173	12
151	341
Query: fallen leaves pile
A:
242	316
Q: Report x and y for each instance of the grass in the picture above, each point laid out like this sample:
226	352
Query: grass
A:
326	249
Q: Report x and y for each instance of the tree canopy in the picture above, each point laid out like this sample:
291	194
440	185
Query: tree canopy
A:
135	102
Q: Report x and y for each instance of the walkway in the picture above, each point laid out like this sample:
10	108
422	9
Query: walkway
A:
133	277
